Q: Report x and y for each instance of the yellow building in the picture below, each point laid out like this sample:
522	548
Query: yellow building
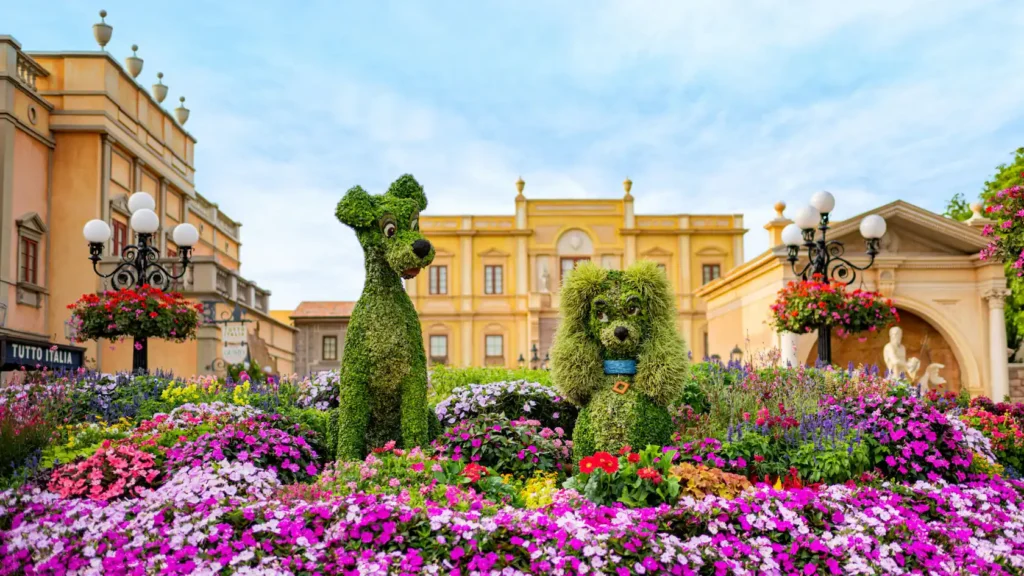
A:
491	294
78	134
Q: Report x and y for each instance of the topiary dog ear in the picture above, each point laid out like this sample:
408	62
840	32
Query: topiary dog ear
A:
576	357
355	209
654	288
407	187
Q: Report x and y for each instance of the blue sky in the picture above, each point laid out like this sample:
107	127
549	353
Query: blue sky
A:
708	106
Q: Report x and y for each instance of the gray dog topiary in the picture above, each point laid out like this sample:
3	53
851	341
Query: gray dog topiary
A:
618	356
383	390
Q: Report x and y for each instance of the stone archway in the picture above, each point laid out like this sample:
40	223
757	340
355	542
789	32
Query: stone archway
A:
921	339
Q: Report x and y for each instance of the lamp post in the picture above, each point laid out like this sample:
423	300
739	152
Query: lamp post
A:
736	355
824	256
534	359
140	264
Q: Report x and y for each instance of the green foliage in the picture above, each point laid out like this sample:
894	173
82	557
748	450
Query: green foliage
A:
831	463
383	385
444	380
595	304
958	208
1006	175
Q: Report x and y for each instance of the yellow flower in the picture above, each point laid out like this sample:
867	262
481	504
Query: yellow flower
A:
778	484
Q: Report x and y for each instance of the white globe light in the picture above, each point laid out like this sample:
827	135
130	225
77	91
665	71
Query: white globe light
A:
141	201
145	221
185	235
96	231
791	235
872	227
823	201
807	217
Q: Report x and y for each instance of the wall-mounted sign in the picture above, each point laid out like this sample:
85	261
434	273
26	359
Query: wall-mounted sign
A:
233	333
16	353
235	353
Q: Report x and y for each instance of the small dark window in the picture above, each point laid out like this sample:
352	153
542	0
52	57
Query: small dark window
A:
711	272
330	351
438	279
120	237
493	280
29	261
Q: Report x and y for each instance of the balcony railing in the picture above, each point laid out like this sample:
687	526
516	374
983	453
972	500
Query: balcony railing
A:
29	71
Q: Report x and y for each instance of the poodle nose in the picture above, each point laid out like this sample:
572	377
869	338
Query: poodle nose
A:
421	248
622	333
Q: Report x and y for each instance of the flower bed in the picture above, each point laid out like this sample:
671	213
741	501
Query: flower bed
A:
797	472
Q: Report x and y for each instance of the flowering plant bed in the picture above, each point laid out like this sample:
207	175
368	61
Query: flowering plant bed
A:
794	475
803	306
144	313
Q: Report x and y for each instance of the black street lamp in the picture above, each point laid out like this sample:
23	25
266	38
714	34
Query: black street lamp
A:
534	359
140	264
824	256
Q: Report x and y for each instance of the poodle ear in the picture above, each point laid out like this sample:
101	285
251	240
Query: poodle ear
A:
407	187
356	208
576	366
654	289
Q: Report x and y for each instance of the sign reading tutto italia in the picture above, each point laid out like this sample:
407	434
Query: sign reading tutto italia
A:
16	354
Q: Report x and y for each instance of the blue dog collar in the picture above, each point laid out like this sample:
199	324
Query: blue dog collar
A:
616	367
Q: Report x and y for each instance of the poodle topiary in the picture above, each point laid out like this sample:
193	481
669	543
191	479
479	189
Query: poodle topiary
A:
617	355
383	389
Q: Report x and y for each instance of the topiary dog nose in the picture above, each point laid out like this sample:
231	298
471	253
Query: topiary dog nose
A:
622	333
421	248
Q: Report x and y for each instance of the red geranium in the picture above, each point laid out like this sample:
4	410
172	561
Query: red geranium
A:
144	313
649	474
474	471
803	306
633	458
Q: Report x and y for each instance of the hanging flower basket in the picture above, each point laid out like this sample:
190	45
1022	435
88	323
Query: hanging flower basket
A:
803	306
1007	236
147	312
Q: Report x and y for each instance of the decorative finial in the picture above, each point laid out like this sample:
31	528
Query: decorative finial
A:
134	63
627	185
159	89
779	208
181	113
520	185
976	209
102	31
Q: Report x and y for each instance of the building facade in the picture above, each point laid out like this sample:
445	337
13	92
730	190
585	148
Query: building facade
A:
78	135
949	300
320	335
491	294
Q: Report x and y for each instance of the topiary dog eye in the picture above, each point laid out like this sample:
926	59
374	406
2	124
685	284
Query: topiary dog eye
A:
387	225
602	316
632	309
415	223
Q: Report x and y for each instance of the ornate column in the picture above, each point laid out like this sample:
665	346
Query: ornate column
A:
998	364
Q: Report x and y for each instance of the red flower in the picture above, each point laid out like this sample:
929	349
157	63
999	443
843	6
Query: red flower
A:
474	472
588	465
649	474
625	449
606	462
633	458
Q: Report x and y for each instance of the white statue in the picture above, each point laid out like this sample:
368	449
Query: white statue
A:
895	355
1018	356
931	377
545	279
